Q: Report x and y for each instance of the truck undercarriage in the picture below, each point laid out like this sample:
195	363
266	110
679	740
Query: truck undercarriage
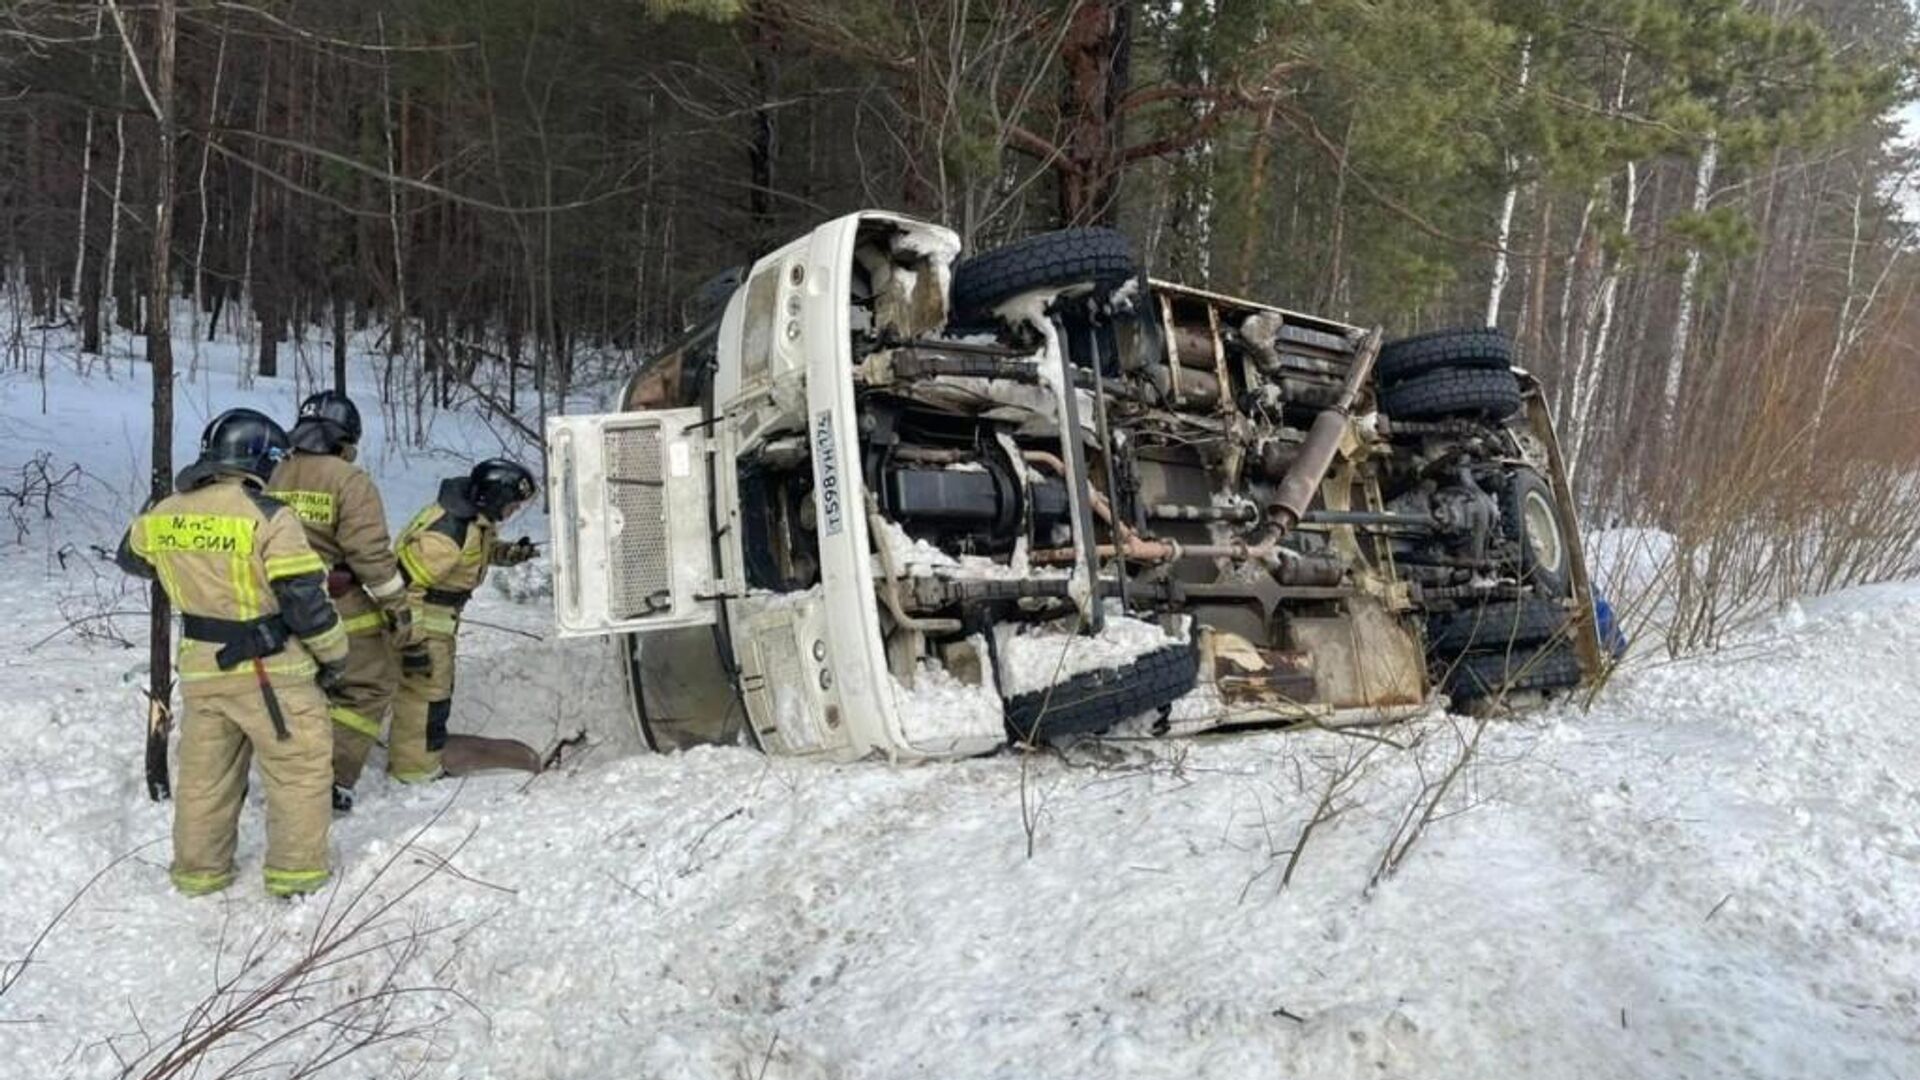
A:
887	503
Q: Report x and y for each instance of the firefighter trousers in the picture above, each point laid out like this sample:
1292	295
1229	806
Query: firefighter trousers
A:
358	706
221	734
421	707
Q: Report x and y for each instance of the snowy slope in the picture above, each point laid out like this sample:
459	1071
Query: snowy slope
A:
1712	873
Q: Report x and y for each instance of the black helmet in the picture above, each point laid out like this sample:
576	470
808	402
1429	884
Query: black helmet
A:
496	484
326	420
245	440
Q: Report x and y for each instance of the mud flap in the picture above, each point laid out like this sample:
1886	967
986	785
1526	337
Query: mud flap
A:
465	755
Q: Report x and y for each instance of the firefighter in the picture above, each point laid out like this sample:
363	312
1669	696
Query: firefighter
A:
257	630
444	553
347	527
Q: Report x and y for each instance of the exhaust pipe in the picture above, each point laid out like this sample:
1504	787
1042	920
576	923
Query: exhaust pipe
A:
1309	469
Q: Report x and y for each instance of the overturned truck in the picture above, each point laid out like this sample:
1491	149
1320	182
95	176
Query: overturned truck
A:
883	501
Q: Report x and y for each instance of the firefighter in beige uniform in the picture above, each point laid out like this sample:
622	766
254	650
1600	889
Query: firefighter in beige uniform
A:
255	619
444	554
347	526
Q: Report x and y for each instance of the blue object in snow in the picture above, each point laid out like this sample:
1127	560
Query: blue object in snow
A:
1612	639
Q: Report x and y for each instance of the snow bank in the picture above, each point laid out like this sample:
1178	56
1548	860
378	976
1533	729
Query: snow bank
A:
1034	657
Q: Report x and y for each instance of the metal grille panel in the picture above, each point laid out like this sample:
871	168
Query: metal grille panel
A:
640	563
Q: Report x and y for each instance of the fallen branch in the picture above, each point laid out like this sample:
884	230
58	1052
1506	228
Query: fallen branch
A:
502	629
1425	808
74	624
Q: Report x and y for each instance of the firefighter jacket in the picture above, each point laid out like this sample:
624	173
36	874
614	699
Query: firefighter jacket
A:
347	527
444	554
235	563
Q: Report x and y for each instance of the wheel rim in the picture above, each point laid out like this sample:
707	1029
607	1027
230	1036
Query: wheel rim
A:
1543	531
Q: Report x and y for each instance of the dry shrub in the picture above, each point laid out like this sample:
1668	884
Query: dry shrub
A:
365	978
1773	496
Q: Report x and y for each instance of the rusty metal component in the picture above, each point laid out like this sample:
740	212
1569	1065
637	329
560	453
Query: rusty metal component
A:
1273	457
1164	551
930	455
1309	468
1366	518
1368	657
1245	674
1193	347
1186	388
1312	570
1243	514
1101	507
1323	442
890	585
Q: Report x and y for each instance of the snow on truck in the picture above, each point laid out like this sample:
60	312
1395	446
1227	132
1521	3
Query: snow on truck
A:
879	501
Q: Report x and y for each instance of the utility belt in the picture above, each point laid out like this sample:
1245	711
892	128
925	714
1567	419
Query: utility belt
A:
453	598
240	640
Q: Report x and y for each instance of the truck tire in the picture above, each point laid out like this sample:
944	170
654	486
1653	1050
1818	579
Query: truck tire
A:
1479	347
1094	701
1497	626
1049	260
1454	392
1530	517
1488	676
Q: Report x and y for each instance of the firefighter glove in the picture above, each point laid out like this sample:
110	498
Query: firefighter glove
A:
400	626
415	660
518	552
333	675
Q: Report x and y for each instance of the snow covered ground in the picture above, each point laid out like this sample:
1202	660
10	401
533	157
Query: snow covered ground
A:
1711	873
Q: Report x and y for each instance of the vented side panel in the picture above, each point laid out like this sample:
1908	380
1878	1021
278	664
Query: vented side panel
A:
640	561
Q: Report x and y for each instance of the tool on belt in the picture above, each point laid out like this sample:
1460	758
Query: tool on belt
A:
341	581
241	640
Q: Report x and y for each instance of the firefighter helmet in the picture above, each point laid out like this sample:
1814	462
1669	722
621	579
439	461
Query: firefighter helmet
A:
326	420
496	484
245	440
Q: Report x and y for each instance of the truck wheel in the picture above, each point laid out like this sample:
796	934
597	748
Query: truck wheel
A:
1094	701
1489	676
1453	392
1479	347
1049	260
1531	519
1497	626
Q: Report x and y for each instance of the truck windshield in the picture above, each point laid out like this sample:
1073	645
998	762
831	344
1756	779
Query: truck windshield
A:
678	376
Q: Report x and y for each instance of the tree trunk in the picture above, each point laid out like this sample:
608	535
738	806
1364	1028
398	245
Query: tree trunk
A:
89	306
110	272
1594	357
397	319
199	279
160	337
267	305
1251	227
340	341
1094	56
1504	234
1689	285
762	44
1536	341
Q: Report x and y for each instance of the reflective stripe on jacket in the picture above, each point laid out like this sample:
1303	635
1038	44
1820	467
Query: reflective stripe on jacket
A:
223	550
446	548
